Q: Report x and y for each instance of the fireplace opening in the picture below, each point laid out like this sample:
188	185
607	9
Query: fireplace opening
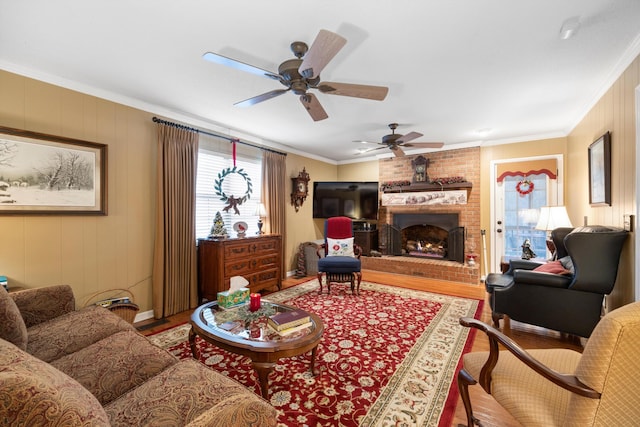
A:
435	236
425	241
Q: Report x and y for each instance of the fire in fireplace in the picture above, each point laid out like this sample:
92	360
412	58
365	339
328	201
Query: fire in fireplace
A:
436	236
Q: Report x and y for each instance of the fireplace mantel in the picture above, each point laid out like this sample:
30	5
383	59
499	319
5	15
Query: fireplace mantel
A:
429	187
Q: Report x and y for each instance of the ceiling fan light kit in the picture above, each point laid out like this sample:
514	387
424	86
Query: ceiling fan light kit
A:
302	73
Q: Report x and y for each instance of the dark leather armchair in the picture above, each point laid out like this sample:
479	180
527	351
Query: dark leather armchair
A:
569	302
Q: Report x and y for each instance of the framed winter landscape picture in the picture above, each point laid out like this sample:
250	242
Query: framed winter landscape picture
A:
51	175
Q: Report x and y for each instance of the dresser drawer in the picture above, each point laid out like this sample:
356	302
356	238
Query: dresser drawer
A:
245	266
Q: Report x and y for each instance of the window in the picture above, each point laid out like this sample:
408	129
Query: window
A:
521	215
212	160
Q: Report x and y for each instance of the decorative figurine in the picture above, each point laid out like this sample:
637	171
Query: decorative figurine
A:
527	252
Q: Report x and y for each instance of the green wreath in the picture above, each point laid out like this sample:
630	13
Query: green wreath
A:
233	202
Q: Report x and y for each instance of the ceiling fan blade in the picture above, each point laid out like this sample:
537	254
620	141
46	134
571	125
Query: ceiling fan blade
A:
322	50
425	144
409	137
260	98
370	149
377	93
397	151
238	65
313	107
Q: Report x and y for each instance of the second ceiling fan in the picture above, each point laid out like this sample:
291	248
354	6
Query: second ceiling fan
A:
302	73
395	142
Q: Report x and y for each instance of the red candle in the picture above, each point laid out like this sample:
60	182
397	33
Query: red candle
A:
254	302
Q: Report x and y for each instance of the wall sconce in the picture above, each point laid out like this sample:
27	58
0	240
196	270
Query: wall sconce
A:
261	212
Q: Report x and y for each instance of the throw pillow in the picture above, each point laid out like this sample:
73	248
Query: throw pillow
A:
340	247
568	264
554	267
12	326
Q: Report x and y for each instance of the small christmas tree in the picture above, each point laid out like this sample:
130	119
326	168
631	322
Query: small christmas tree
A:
218	230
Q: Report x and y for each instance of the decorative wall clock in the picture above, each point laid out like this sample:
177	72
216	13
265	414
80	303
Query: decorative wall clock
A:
299	189
420	165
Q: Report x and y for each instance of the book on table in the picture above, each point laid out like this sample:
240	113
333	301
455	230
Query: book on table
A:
289	331
288	319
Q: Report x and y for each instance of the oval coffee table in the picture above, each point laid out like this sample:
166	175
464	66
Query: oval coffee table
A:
241	331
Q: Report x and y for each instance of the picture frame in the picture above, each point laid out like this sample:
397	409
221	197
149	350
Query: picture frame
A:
600	171
42	174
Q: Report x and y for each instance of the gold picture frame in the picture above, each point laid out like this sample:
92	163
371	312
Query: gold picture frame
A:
42	174
600	171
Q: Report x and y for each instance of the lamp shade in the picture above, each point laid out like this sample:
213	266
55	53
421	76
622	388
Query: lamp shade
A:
260	210
552	217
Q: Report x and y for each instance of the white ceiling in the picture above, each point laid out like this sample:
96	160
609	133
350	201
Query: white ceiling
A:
453	67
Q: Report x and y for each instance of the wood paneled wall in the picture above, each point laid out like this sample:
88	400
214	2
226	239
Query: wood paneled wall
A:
90	253
614	112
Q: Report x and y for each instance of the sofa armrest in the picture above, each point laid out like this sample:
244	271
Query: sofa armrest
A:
39	305
238	411
539	278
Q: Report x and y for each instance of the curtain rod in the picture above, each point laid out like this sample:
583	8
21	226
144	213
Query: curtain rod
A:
179	126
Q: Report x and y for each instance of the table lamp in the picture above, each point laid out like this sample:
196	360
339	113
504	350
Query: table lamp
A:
552	217
261	212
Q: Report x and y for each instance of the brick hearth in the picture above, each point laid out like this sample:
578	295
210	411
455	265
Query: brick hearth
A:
433	269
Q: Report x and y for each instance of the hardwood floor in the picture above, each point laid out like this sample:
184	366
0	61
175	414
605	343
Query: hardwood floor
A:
485	408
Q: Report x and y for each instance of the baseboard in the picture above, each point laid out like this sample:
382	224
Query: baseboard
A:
143	316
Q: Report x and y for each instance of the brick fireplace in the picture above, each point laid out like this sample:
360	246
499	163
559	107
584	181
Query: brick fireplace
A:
463	220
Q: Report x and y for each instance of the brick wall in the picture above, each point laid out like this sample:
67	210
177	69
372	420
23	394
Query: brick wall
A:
463	163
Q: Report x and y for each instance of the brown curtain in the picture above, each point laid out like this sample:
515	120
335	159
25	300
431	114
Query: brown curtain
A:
274	196
174	264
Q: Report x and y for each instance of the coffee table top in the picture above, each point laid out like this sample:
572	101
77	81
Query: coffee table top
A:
240	328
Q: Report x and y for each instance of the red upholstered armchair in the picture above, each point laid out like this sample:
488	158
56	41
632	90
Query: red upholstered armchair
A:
341	261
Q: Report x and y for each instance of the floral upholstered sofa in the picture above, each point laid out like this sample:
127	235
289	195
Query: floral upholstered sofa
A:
89	367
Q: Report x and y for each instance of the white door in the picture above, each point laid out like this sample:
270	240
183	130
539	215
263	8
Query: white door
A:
517	201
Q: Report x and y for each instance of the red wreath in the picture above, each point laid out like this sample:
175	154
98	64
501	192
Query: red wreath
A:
528	187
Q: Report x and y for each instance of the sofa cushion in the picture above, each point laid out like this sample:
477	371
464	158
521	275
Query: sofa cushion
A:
12	326
73	331
112	366
34	393
189	391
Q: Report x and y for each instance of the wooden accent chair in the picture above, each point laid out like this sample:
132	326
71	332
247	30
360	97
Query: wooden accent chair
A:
341	261
561	387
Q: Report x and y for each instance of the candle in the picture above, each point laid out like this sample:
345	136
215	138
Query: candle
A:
254	302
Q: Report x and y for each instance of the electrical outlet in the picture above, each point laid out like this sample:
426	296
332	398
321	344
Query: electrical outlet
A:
628	222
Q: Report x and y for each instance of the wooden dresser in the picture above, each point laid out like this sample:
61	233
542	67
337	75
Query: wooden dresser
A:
258	259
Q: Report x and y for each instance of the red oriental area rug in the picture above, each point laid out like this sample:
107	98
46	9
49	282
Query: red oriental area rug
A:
387	357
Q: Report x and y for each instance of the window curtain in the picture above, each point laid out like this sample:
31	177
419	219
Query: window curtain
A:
273	195
175	265
533	167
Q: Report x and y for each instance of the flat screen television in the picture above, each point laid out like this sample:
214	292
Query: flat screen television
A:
357	200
